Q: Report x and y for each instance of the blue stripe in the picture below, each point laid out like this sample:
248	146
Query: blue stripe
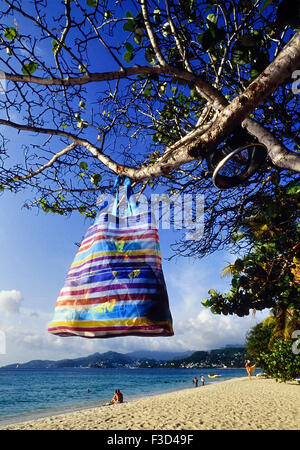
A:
110	246
127	310
146	275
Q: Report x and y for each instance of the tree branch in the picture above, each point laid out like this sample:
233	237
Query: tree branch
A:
197	144
161	60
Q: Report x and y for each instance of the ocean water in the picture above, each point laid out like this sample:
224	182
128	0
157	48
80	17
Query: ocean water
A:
31	393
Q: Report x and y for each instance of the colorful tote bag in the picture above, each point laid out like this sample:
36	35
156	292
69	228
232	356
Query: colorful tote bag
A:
115	286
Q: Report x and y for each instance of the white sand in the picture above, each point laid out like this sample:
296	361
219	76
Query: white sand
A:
237	404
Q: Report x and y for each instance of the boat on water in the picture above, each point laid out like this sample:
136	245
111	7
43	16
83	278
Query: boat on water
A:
213	375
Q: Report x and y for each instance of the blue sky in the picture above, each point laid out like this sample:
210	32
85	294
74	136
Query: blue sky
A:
36	250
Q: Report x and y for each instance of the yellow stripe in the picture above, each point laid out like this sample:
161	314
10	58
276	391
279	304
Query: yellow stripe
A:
106	323
133	252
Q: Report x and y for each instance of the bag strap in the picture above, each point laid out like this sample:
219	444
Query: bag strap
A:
132	207
115	186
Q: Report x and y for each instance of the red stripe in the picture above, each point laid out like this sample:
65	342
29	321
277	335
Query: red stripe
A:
121	297
132	330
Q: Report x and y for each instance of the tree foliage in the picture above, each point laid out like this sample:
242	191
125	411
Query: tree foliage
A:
257	343
268	275
147	89
276	357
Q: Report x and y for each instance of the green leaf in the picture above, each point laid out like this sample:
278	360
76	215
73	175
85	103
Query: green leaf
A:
293	190
157	15
83	165
96	178
254	74
211	18
82	104
240	55
129	47
149	55
128	56
206	303
248	40
10	33
82	68
265	5
30	68
108	14
82	124
92	3
55	44
138	35
129	26
211	37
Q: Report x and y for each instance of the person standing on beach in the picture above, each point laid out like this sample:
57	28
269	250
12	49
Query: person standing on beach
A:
195	381
247	366
202	380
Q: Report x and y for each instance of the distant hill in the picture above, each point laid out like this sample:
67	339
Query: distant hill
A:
159	356
231	357
108	359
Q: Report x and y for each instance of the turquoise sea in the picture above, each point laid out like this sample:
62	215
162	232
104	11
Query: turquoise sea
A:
30	393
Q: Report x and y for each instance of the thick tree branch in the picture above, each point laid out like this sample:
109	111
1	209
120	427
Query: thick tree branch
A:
197	144
151	34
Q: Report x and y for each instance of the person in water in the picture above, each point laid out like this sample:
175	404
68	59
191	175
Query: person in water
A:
118	397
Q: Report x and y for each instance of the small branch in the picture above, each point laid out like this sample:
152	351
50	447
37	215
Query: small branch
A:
47	165
161	60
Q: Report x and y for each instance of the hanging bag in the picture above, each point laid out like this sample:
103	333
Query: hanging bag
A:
115	286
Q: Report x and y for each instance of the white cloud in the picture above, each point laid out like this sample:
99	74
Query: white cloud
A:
195	326
10	301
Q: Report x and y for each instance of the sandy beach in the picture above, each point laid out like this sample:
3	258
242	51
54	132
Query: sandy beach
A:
237	404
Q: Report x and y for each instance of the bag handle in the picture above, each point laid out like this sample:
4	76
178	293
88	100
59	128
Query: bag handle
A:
132	207
115	185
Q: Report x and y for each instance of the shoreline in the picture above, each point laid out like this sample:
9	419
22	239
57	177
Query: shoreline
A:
235	404
61	410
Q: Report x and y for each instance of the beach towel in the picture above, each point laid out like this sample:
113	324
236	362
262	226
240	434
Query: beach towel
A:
115	285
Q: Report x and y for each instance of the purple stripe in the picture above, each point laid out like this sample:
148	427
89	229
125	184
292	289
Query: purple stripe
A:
112	287
106	332
114	260
116	232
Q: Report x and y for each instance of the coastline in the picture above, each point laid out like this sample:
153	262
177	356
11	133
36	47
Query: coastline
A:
67	409
235	404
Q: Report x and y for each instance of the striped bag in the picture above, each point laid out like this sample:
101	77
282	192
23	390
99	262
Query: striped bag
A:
115	286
